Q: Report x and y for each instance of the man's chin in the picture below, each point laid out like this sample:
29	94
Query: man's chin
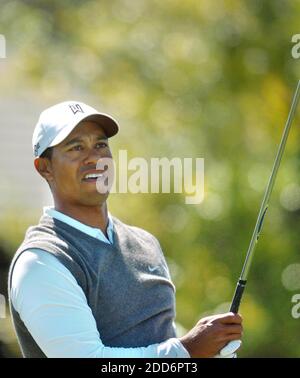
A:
94	198
97	186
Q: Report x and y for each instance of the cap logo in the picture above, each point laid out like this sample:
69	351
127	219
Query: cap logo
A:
36	149
76	108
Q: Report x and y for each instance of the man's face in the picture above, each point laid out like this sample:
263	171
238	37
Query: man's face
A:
72	159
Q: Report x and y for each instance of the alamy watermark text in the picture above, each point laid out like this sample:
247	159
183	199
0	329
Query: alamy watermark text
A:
2	47
159	175
296	47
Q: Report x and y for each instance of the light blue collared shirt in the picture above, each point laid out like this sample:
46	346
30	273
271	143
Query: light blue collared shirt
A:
91	231
43	288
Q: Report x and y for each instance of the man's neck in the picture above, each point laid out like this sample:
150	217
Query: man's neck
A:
93	216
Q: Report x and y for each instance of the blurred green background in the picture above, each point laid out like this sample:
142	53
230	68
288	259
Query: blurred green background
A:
210	79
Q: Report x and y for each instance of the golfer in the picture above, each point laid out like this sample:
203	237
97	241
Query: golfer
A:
83	283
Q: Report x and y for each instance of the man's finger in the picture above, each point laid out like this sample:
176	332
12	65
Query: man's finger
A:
233	336
230	318
233	328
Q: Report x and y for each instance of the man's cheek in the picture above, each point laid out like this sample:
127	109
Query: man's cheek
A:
64	182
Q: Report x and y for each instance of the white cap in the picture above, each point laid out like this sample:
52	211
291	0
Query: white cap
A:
57	122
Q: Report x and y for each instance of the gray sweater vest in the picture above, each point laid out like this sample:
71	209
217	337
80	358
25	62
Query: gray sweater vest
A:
127	283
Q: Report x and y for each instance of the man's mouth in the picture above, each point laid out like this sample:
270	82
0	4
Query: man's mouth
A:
92	177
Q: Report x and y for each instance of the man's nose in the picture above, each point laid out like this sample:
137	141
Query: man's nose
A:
93	155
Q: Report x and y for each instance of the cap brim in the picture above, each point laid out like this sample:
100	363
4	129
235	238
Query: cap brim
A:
107	123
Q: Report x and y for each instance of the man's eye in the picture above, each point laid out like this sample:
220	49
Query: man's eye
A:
101	145
76	148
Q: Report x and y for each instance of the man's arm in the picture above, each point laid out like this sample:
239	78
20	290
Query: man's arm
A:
54	309
212	333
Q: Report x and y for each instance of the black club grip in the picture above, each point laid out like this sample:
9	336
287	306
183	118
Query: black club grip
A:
237	296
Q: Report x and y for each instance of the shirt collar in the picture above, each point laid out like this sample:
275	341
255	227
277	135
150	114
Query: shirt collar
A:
91	231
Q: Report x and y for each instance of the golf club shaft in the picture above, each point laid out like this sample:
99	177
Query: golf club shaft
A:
264	207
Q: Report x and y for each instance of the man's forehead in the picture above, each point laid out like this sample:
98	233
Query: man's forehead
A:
87	128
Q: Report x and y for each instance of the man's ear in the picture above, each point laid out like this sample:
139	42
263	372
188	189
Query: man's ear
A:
44	168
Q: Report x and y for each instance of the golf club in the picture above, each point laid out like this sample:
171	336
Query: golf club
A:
232	346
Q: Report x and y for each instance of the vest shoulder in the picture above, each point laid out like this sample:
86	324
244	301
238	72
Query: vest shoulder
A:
46	235
137	231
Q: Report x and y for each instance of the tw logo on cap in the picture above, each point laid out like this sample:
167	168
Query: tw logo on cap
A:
76	108
36	149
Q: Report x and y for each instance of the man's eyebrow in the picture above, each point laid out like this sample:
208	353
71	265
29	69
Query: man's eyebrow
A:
80	140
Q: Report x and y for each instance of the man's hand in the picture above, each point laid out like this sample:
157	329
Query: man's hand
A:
212	333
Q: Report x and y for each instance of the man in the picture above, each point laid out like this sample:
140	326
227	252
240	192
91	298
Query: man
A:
84	284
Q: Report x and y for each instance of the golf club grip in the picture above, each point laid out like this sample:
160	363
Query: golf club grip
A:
237	296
